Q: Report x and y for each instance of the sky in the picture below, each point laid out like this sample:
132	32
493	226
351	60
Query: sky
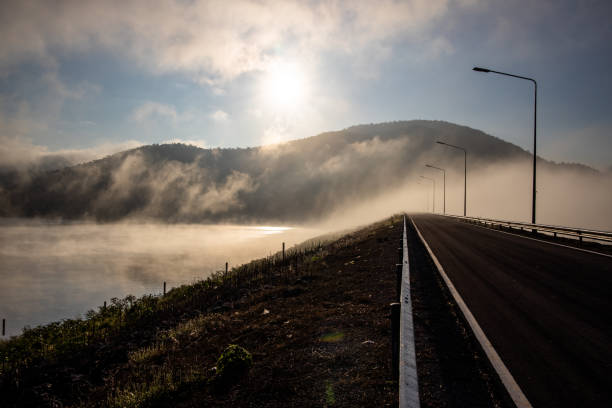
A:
95	77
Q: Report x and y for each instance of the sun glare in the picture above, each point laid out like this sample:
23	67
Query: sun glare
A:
284	87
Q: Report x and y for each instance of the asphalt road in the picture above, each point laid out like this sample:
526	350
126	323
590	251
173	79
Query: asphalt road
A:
546	309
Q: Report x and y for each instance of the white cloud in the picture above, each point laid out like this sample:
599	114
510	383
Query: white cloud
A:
150	109
60	89
21	153
37	113
439	46
212	40
219	116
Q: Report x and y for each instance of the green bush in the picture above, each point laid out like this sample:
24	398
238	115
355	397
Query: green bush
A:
233	364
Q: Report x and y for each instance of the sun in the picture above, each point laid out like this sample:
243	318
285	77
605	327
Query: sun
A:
284	87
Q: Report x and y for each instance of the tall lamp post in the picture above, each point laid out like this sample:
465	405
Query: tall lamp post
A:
535	118
444	173
433	208
464	173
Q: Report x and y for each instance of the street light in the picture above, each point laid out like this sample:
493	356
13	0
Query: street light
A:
464	173
433	209
444	173
535	118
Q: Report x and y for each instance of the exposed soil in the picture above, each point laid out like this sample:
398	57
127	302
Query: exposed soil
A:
319	341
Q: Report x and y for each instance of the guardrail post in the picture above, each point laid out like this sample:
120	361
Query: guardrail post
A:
3	327
579	237
395	332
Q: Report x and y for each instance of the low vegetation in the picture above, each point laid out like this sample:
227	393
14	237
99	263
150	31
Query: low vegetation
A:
163	350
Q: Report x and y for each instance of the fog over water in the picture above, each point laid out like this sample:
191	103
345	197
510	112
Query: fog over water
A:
301	189
53	271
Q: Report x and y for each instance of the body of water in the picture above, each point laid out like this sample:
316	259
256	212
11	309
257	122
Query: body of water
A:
50	272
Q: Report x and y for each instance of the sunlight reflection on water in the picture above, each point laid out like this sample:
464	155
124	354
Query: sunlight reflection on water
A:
50	272
272	230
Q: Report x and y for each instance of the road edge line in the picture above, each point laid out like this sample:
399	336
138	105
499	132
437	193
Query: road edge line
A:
408	377
513	389
538	240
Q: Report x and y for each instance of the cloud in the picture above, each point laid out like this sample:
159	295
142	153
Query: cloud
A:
219	116
150	109
60	89
36	107
18	153
212	40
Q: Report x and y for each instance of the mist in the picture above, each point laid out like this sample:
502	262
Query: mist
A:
565	197
504	192
75	237
368	170
56	271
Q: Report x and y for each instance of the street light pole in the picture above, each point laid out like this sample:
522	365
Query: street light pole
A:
433	208
535	119
444	173
464	173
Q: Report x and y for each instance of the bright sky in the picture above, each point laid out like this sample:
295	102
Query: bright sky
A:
104	75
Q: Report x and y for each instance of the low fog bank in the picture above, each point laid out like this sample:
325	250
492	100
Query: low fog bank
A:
22	159
564	196
498	191
336	180
53	271
59	268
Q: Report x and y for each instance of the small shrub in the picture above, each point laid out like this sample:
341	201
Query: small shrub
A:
233	364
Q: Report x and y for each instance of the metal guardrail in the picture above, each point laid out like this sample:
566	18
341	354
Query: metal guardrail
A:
555	230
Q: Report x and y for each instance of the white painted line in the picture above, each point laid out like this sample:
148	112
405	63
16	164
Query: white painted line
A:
539	240
408	379
515	392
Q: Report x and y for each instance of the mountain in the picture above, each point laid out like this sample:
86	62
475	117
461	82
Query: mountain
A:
295	181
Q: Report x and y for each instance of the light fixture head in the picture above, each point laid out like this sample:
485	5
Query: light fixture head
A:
478	69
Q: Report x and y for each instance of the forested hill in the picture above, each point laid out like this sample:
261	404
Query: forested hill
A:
296	181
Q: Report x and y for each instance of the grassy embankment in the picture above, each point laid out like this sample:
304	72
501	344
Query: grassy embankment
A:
315	323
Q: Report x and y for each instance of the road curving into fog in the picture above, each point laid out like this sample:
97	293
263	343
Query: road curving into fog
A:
546	309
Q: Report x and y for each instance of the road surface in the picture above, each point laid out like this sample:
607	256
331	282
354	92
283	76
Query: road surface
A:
546	309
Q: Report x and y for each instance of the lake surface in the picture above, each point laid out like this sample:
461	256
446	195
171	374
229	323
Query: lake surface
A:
49	271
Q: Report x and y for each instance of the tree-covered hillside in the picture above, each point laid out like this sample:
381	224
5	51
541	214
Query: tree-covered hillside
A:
295	181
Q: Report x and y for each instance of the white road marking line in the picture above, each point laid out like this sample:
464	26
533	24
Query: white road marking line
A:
515	392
